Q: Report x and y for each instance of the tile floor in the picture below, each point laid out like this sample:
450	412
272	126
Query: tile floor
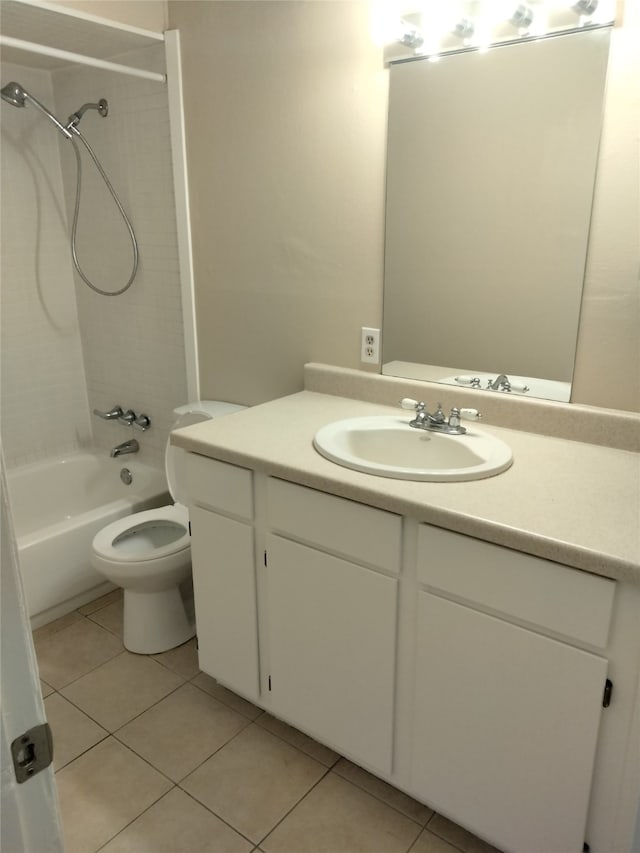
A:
153	756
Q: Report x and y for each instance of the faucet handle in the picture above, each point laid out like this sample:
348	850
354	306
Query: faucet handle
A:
128	418
408	403
142	422
114	412
470	414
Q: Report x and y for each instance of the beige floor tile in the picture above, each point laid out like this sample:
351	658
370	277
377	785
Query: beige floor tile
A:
122	688
98	603
56	625
297	738
429	843
45	689
211	686
383	791
253	781
176	823
73	732
183	660
457	836
74	651
102	791
110	617
338	817
182	731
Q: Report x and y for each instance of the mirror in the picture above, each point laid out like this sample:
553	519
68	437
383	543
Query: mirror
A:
490	177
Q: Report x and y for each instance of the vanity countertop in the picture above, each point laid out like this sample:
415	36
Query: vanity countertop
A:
567	501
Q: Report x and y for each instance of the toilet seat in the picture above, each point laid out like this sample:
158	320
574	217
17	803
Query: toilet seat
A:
110	542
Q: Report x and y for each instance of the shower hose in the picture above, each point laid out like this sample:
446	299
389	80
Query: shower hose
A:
77	210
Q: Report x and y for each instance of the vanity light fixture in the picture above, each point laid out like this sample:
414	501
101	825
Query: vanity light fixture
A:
479	25
464	29
522	18
585	7
410	36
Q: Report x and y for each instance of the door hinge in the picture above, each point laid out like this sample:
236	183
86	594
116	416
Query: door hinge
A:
189	528
32	752
608	690
265	558
269	683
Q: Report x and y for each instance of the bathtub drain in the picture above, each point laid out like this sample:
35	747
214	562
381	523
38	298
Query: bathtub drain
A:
126	476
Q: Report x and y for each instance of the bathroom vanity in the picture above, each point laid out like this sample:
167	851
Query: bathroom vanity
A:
475	644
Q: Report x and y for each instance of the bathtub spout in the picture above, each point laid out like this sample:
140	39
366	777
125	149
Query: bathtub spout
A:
130	446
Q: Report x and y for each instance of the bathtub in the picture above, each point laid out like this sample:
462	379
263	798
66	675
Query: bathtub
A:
58	506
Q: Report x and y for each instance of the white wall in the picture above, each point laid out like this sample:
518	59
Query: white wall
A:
285	106
44	399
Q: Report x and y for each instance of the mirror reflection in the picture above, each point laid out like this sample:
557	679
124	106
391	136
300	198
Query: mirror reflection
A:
490	176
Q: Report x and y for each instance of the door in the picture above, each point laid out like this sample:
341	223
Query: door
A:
30	816
332	648
225	598
505	728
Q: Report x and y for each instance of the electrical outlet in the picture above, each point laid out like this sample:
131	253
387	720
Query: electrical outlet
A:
370	346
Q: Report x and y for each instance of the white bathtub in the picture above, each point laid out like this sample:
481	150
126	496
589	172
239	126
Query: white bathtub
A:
58	506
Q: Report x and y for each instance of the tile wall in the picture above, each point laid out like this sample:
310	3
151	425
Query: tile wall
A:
133	344
127	349
44	398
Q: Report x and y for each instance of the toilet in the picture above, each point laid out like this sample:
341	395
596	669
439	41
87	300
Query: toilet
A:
148	553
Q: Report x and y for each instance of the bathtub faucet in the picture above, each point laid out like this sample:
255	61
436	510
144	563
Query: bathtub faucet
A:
130	446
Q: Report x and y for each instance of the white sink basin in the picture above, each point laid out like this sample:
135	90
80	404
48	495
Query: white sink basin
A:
388	447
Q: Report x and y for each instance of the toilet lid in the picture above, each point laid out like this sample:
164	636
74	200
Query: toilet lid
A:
148	535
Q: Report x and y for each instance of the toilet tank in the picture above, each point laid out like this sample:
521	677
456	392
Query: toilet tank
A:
174	457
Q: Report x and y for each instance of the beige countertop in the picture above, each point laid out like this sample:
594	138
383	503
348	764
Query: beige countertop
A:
567	501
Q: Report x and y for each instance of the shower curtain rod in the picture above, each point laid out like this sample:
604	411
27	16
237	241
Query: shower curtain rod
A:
79	59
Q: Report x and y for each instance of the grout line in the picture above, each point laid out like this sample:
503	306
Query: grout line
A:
144	811
295	805
128	721
295	746
215	814
193	770
381	799
464	849
227	704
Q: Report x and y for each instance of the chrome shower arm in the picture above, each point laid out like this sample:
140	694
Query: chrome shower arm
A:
74	119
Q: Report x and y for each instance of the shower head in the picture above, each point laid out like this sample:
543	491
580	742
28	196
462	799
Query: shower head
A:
14	94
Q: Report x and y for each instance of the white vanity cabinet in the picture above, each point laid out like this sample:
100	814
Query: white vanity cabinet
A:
507	717
467	674
331	622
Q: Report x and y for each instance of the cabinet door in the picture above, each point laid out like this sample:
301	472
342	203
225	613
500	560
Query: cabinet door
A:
332	640
506	723
225	598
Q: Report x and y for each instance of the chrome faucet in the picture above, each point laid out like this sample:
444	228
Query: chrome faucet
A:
438	421
130	446
500	383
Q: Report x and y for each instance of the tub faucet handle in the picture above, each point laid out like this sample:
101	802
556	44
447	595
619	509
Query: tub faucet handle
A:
127	418
115	412
142	422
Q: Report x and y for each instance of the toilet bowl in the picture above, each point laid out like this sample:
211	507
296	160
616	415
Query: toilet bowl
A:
148	553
